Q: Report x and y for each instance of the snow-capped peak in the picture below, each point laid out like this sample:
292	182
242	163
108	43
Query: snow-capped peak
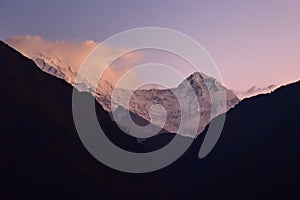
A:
142	101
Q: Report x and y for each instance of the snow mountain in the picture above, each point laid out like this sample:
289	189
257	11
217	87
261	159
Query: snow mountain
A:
142	101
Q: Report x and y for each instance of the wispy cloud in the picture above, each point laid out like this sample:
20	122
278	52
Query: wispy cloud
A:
73	53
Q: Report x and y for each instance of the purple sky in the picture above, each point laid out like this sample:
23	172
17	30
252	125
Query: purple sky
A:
253	43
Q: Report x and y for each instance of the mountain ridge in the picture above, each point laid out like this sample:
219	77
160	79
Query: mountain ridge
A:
41	155
142	100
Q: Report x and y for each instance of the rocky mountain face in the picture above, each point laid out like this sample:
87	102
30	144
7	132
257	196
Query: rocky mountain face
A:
142	101
41	155
173	100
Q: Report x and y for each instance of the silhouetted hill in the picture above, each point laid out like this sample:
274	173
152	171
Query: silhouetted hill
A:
41	155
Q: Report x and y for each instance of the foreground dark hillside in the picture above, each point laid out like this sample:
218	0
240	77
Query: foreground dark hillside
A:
41	155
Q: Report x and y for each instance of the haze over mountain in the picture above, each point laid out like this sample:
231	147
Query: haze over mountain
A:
41	156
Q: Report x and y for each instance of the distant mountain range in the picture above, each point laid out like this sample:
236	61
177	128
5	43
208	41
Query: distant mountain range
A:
254	90
41	155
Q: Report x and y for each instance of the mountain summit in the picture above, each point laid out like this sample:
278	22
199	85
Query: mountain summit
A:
174	99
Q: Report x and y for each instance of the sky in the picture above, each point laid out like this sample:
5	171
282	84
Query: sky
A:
253	43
